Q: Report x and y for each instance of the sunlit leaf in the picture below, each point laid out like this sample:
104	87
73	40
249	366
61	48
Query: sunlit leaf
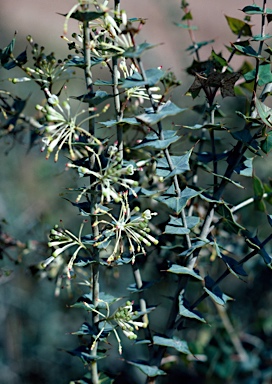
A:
180	165
165	110
239	27
186	312
153	76
179	270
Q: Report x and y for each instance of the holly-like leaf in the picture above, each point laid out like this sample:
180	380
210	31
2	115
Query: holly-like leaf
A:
246	50
177	203
85	16
233	265
6	52
239	27
214	292
153	76
179	345
176	227
266	144
186	312
148	370
124	121
84	353
253	9
163	111
228	218
135	52
180	165
264	112
152	140
179	270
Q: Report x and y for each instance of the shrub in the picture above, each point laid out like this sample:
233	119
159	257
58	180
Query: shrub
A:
157	197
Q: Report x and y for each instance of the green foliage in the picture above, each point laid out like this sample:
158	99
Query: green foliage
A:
151	192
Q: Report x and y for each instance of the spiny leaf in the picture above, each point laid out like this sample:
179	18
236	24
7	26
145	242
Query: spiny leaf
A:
246	50
179	345
152	140
179	270
148	370
6	52
84	353
165	110
214	292
186	312
135	52
239	27
153	76
266	144
112	123
228	218
180	165
85	16
264	112
234	267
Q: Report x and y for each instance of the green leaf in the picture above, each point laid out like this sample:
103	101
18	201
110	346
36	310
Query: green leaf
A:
153	76
104	379
186	312
179	270
152	140
85	16
246	50
163	111
176	227
20	59
186	26
195	245
214	292
228	218
245	168
187	16
177	203
266	144
239	27
135	52
179	345
85	329
180	165
6	52
261	37
95	98
195	47
112	123
264	112
258	188
253	9
84	353
233	266
148	370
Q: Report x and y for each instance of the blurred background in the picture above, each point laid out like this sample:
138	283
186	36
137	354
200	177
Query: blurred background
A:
35	325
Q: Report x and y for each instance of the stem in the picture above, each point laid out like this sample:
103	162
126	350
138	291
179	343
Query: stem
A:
117	104
252	104
95	230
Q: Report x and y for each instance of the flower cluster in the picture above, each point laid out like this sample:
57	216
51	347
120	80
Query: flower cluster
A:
124	317
107	175
133	227
63	127
62	239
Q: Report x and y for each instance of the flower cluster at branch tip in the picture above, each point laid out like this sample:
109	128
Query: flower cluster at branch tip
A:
62	239
113	173
135	228
64	128
124	317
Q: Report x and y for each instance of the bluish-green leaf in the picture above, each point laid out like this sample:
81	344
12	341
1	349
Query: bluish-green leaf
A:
85	354
186	26
85	15
179	270
228	218
246	50
177	203
180	165
135	52
152	140
264	112
261	37
6	52
112	123
148	370
186	312
253	9
233	266
153	76
176	227
179	345
163	111
266	144
214	292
